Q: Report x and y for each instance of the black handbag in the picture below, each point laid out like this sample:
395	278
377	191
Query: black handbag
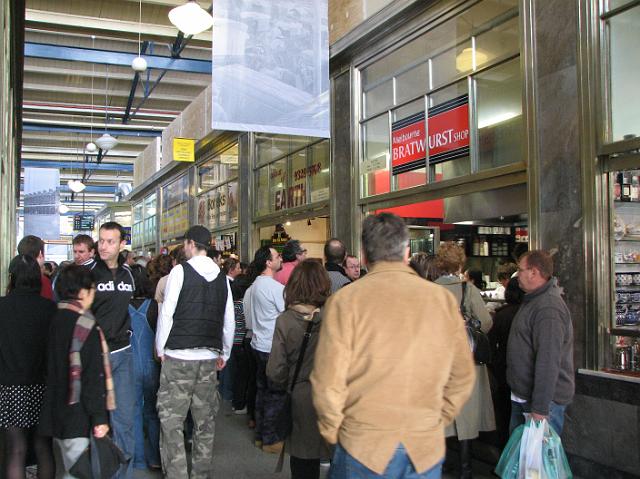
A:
284	422
100	460
478	341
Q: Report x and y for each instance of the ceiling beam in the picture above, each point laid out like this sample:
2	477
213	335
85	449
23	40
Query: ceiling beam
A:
77	90
75	165
47	17
97	130
106	57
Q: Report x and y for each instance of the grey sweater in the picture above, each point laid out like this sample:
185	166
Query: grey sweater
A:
540	350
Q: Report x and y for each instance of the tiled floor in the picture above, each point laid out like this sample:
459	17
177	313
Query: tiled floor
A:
235	457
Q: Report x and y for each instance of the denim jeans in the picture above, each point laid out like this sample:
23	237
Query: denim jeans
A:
122	418
556	415
345	466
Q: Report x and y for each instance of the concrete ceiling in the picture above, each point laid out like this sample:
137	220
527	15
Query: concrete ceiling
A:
65	92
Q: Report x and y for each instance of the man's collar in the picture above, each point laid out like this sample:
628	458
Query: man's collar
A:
383	266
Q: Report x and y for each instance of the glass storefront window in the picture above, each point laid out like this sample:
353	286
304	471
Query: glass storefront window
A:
624	71
499	111
278	184
412	83
478	38
232	200
374	169
137	212
270	147
320	173
262	191
378	98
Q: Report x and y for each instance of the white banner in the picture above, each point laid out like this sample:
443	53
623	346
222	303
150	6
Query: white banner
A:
271	67
41	203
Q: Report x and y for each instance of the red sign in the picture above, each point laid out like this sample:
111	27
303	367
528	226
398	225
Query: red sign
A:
448	136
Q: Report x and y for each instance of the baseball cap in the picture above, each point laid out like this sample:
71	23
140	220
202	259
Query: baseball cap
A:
199	234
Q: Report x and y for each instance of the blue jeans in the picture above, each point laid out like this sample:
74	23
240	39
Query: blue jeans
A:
556	415
122	418
345	466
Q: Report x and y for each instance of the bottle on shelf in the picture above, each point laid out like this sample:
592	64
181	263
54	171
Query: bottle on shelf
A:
625	194
476	247
485	247
635	188
617	187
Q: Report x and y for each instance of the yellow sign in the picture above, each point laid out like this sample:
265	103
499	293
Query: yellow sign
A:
184	149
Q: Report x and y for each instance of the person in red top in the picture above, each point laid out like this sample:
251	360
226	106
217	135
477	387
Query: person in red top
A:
33	246
292	254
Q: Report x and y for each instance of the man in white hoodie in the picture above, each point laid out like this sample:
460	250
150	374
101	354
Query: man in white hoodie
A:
193	341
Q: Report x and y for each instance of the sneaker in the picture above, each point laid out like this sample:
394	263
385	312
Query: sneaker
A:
275	448
240	412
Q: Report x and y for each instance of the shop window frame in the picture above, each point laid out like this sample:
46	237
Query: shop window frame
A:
261	165
600	159
218	186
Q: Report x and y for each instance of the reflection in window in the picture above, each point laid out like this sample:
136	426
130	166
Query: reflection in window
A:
278	178
319	172
262	191
378	99
232	199
374	168
624	35
499	100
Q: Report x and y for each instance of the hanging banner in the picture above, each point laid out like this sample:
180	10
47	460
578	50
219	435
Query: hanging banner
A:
41	203
448	136
271	67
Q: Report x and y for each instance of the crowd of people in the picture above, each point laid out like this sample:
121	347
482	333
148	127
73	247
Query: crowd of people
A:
365	370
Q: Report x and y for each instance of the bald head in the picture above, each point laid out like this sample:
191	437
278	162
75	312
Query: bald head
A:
334	251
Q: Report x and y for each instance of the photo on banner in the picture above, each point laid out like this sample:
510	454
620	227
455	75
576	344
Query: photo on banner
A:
271	67
41	203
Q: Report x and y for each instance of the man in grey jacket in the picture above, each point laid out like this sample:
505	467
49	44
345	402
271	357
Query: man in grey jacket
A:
540	347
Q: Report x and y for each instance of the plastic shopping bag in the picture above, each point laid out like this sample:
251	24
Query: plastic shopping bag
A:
554	459
531	450
509	462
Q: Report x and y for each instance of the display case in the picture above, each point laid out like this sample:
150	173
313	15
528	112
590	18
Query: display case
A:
624	354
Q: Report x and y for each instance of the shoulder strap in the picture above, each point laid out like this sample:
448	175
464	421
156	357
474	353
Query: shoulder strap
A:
305	342
144	307
464	293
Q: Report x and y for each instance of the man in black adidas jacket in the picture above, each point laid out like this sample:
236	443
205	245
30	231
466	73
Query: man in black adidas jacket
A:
114	288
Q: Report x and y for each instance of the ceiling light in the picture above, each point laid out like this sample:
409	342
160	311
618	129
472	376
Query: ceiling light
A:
190	18
91	147
470	59
139	64
63	208
106	142
76	186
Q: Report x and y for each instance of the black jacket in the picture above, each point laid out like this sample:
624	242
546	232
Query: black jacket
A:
198	320
57	418
25	318
540	350
114	290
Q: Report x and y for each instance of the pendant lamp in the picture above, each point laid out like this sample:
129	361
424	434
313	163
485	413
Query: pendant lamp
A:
191	18
139	64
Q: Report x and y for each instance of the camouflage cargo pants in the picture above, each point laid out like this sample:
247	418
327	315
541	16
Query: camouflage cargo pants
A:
187	385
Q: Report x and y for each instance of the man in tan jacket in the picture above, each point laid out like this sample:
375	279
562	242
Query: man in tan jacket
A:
393	366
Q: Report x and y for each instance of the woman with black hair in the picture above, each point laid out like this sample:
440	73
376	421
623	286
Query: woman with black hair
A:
25	318
498	336
79	392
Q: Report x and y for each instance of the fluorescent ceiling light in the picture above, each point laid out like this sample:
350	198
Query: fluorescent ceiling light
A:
499	118
463	223
190	18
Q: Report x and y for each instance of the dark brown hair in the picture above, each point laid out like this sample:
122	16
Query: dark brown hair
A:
85	240
451	257
540	260
158	267
309	284
425	265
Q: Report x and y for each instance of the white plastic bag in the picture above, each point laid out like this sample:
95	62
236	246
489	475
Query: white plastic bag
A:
531	464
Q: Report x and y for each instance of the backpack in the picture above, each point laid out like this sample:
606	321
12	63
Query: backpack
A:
478	341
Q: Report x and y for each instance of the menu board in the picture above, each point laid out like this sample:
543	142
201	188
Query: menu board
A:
83	222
